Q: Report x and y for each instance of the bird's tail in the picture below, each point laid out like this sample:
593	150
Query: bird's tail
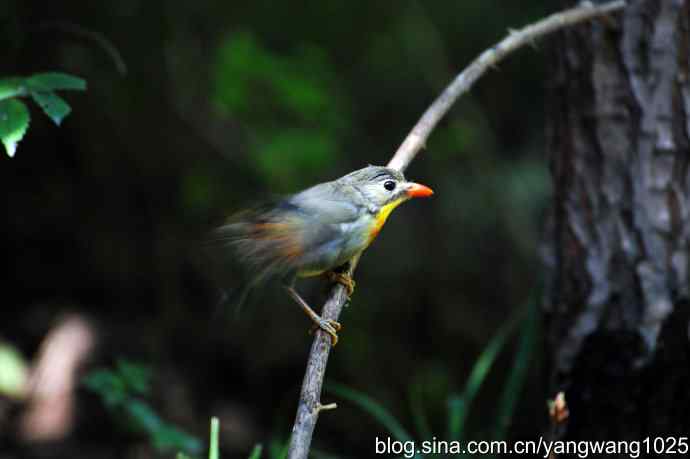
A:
265	243
236	250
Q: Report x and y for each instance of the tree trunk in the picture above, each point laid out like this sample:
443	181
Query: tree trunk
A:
616	305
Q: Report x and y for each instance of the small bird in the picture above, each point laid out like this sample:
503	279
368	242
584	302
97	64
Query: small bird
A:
318	230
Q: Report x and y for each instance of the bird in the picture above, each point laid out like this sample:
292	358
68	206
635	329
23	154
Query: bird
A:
317	231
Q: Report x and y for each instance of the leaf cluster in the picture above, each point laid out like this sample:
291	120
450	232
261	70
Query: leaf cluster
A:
41	87
123	390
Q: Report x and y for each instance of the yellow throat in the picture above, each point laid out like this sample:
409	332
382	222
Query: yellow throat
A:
382	216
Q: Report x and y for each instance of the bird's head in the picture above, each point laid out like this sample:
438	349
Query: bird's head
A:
383	187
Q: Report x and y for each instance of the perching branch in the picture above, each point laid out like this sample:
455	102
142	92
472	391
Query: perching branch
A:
309	403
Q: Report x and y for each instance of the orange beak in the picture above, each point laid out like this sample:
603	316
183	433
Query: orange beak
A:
415	190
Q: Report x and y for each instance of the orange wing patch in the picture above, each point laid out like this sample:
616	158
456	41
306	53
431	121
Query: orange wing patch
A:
282	235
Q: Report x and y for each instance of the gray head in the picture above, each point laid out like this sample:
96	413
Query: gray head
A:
382	185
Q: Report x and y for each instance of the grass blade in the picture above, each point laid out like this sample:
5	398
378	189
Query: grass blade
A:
456	406
482	366
374	408
518	375
256	452
419	416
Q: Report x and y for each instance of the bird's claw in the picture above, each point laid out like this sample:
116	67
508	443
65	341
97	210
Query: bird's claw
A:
343	279
330	326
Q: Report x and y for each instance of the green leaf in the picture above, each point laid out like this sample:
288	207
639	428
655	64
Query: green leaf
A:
164	436
52	81
53	105
213	445
14	121
256	452
143	415
169	438
136	377
12	87
118	388
108	385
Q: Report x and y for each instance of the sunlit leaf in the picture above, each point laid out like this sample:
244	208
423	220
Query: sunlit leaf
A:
14	372
53	105
14	121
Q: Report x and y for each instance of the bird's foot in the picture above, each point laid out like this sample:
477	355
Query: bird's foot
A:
330	326
343	279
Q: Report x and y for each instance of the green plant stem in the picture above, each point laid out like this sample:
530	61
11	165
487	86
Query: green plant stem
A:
213	443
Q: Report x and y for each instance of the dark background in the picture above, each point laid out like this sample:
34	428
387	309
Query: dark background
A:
223	103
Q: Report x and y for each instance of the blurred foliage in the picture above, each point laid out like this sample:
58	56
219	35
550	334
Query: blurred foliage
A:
14	116
292	104
122	390
14	372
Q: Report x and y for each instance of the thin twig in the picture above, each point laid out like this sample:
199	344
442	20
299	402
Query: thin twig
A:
416	139
309	404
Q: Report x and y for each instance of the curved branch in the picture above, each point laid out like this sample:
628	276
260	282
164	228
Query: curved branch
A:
516	39
309	405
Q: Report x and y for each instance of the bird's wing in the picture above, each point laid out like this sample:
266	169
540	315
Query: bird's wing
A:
332	204
305	232
329	213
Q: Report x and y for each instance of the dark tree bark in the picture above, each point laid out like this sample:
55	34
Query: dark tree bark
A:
616	305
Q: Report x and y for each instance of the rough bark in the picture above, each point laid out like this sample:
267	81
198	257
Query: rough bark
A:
616	305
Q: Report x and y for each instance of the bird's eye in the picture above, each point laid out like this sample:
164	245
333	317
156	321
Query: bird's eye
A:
389	185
